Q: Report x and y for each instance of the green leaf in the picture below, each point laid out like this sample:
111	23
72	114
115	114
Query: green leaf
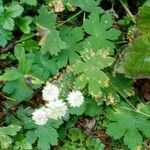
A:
30	45
143	20
50	41
4	37
94	144
92	108
46	135
77	140
139	53
46	19
19	52
72	37
76	134
24	24
78	110
10	75
88	5
42	66
24	116
6	135
123	86
67	83
23	145
14	10
144	109
129	124
101	32
90	72
25	64
18	89
8	24
30	2
119	87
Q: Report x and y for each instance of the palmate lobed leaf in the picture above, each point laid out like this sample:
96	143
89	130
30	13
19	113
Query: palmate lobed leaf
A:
90	72
86	5
6	135
8	24
102	35
46	19
119	87
16	83
24	24
41	136
45	135
72	37
123	85
50	41
14	10
43	67
9	13
18	89
126	123
22	145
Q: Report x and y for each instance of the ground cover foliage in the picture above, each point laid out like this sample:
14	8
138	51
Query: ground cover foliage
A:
74	75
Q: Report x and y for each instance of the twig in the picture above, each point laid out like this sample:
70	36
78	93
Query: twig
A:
69	19
128	11
33	35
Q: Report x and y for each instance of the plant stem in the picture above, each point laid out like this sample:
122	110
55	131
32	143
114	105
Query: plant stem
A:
137	111
128	11
26	38
31	36
69	19
124	97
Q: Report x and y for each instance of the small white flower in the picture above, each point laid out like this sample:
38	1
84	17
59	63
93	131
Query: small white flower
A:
39	116
75	98
50	92
56	109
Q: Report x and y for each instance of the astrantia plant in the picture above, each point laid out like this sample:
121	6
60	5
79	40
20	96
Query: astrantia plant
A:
71	74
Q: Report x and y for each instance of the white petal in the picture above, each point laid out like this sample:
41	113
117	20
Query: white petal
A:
39	116
50	92
75	98
56	109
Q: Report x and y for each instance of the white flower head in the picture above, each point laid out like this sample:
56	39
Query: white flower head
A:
39	116
50	92
75	98
56	109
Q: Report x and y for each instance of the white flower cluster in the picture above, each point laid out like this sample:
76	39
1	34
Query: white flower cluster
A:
55	108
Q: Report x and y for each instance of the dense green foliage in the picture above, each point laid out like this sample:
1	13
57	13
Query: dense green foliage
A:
78	46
